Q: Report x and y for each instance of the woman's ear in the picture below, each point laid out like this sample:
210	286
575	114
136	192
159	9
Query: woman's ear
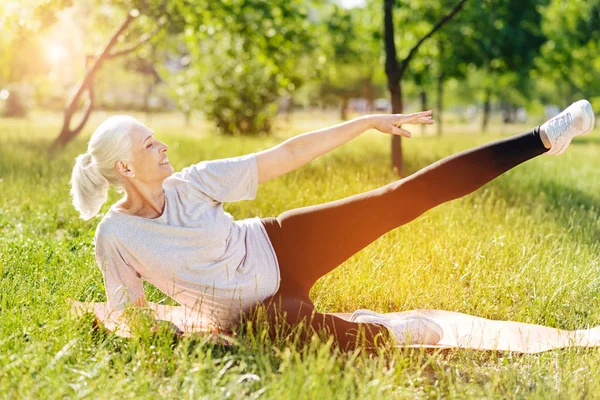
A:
123	169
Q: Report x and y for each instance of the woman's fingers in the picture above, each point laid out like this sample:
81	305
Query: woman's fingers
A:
426	120
391	123
417	114
422	120
401	132
411	118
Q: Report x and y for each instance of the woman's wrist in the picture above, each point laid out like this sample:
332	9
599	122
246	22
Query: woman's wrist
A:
367	122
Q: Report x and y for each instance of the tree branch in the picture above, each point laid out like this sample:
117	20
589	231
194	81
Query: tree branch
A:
99	59
88	111
144	39
437	26
66	134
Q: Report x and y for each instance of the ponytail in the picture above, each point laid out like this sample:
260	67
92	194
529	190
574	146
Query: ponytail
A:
89	188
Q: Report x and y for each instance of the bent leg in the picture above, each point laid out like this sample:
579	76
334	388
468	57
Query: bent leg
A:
284	313
312	241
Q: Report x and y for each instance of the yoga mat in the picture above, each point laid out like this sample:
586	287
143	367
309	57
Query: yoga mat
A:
461	331
464	331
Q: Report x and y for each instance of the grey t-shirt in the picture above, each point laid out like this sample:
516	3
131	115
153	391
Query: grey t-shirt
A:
194	252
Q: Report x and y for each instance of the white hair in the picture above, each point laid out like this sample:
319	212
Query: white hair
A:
95	170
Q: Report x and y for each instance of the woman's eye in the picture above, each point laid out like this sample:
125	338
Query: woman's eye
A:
150	145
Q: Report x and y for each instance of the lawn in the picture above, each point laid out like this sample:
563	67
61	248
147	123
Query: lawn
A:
525	247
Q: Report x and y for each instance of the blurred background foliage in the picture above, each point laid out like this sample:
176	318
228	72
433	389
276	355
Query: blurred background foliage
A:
241	62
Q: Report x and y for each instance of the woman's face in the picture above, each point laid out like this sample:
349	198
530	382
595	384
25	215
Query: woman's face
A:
149	156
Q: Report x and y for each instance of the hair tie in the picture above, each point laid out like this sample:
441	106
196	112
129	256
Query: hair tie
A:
91	162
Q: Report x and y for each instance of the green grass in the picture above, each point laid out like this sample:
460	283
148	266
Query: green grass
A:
525	248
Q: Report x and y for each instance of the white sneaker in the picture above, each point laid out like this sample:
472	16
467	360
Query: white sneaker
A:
577	119
410	330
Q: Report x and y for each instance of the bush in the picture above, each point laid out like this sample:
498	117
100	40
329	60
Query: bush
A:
241	100
15	106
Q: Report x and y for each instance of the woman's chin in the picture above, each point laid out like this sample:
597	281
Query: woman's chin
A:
164	174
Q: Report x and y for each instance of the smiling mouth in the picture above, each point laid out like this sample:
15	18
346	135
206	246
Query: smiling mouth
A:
163	162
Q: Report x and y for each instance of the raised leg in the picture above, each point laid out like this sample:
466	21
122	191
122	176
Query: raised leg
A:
312	241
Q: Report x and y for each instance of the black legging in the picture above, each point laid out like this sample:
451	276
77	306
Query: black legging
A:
311	241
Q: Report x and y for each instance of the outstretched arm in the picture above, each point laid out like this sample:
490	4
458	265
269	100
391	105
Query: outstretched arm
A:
302	149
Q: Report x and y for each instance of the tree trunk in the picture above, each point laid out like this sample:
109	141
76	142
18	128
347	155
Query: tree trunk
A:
486	110
370	93
66	133
509	112
440	92
395	70
344	109
394	75
15	107
397	108
440	105
423	107
289	110
147	96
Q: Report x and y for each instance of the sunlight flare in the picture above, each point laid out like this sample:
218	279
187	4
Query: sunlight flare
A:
56	53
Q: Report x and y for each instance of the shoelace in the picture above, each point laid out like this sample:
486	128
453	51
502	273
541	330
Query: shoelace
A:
559	125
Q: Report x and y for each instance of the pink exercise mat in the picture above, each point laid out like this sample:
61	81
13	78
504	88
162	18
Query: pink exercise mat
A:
460	330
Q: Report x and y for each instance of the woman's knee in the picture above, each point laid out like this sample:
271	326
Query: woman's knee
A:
282	317
292	310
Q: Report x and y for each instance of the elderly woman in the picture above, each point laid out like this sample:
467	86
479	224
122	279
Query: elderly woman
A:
170	228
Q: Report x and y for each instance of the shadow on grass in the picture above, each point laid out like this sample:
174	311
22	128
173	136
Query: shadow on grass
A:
573	209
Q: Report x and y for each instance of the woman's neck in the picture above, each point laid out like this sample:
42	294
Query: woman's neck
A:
143	201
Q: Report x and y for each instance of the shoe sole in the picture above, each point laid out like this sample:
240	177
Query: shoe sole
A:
589	111
432	326
429	323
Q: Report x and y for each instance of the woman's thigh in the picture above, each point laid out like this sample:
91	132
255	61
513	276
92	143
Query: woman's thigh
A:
312	241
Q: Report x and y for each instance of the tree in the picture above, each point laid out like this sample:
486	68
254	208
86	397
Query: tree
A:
244	56
449	60
93	64
502	38
240	56
396	70
230	35
350	39
568	65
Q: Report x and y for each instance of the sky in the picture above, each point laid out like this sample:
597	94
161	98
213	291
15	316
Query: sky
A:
351	3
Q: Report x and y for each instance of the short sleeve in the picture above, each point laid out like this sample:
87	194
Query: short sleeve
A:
122	283
228	179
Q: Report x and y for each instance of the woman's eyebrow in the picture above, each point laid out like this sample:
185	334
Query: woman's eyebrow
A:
149	136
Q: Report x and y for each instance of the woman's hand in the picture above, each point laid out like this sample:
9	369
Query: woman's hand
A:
389	123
